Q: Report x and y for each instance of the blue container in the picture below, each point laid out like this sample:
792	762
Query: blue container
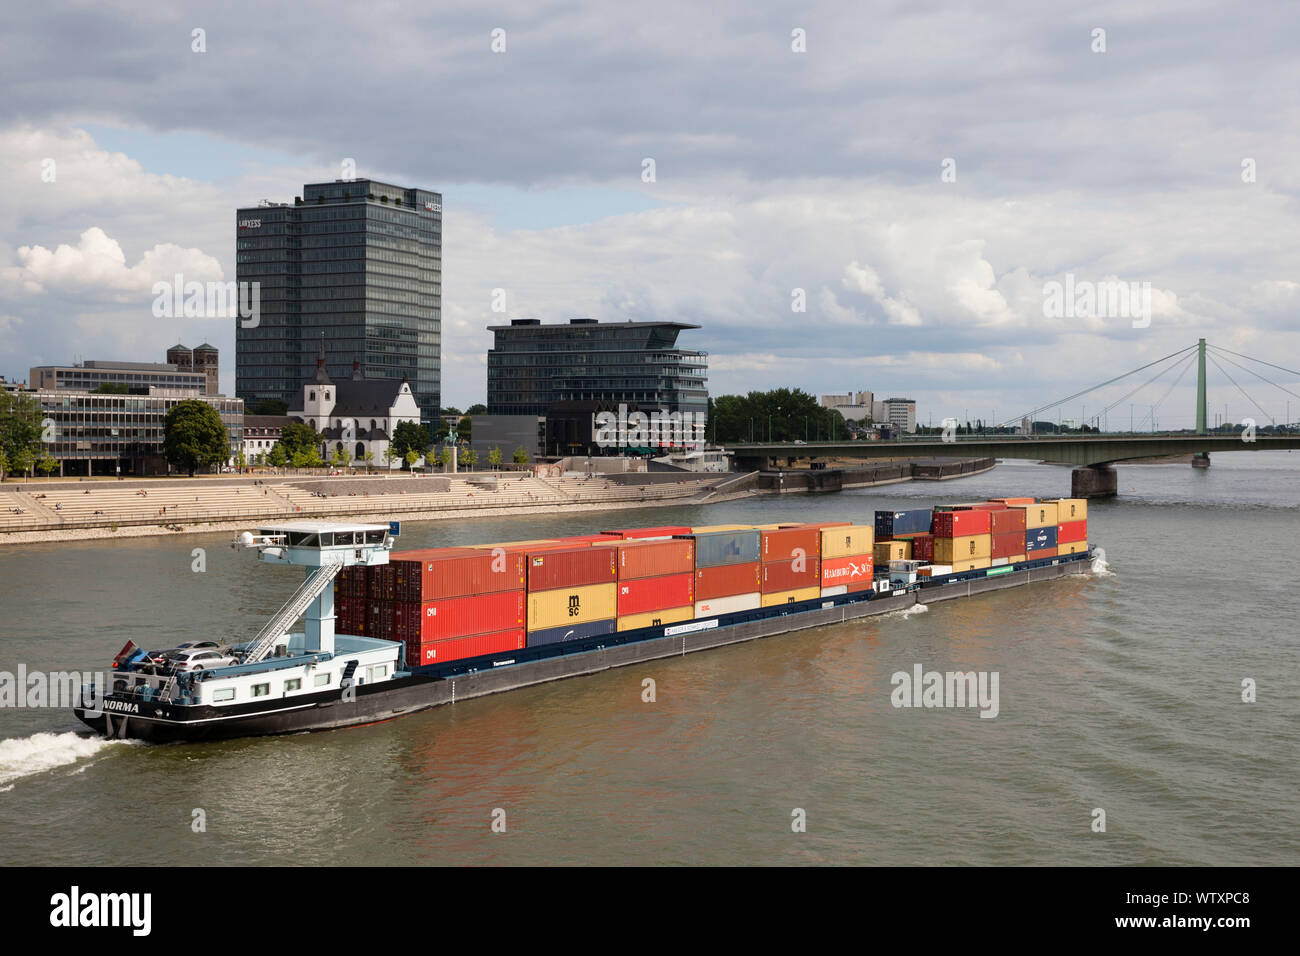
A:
716	549
575	632
890	524
1036	539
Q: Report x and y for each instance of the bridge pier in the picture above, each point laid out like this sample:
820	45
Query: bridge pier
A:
1202	460
1094	481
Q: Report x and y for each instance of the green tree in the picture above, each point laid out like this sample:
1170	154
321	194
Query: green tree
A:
408	437
22	461
278	456
4	464
20	426
271	406
410	458
478	409
389	454
521	456
344	456
299	458
465	430
194	436
494	456
781	414
46	464
313	457
444	457
470	458
298	436
451	411
370	459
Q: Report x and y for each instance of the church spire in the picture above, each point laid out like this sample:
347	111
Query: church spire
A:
322	375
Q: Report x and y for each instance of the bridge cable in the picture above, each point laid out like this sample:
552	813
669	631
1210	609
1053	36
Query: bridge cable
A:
1240	389
1289	371
1169	390
1267	381
1186	363
1043	408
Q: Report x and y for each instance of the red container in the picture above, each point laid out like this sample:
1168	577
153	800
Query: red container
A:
639	595
379	583
1008	545
1006	521
818	524
727	580
381	620
584	538
427	621
1043	553
439	652
651	559
922	547
959	524
664	532
790	574
851	571
790	543
989	506
1072	531
571	568
456	572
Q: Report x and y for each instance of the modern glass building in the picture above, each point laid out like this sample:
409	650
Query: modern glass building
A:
136	377
533	366
355	263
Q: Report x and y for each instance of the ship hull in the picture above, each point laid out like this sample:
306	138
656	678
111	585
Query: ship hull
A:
462	680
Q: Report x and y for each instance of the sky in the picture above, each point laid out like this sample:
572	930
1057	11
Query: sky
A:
868	196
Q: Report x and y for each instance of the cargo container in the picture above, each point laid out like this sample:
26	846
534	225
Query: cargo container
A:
792	574
890	523
727	580
790	544
960	524
1071	547
837	590
514	544
847	540
423	622
847	570
667	531
968	547
1005	545
1036	539
791	597
1041	515
594	602
1043	553
970	564
711	528
729	604
934	570
584	539
1071	509
1013	502
1007	521
719	548
639	595
1071	531
570	568
674	615
999	562
437	652
453	572
886	551
922	547
381	620
643	558
571	632
816	524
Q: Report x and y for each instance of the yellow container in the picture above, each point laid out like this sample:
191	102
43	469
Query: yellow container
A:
513	544
770	527
1016	559
631	622
967	548
1071	509
1041	515
1073	547
848	542
974	564
886	551
722	527
595	602
791	597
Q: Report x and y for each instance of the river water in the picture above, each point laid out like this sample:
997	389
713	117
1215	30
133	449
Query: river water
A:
1120	691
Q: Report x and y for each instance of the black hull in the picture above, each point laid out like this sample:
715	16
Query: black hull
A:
461	680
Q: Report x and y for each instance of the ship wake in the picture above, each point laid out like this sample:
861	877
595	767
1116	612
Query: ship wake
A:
26	756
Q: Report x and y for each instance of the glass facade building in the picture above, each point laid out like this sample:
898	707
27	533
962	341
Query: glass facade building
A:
356	264
533	366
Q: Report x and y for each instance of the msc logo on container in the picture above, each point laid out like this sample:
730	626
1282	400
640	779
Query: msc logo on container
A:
575	605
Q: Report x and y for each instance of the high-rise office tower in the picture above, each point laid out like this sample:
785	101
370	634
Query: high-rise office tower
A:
356	264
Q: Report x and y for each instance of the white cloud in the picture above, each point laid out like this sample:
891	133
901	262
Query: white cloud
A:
97	265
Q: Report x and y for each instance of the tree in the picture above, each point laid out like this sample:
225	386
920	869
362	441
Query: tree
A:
389	454
464	430
494	456
478	409
521	456
20	426
271	406
313	457
46	464
470	458
299	458
298	436
22	461
4	464
344	456
451	411
277	455
240	460
782	414
410	458
194	436
370	459
408	437
444	457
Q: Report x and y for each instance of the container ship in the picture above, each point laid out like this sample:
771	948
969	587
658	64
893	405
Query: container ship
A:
387	632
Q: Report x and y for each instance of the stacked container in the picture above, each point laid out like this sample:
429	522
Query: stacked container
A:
899	549
1071	525
728	571
791	565
656	581
847	561
667	531
891	524
1040	529
962	539
572	593
1007	527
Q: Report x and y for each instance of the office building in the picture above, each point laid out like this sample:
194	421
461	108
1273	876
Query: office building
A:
136	377
354	264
